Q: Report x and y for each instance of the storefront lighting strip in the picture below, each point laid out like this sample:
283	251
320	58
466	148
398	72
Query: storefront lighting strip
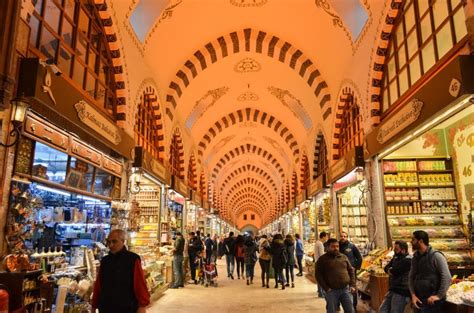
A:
44	188
463	102
89	199
151	178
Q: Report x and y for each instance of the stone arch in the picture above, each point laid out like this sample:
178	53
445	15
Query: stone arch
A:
249	115
304	173
378	62
249	168
294	185
248	181
247	40
192	175
320	150
245	149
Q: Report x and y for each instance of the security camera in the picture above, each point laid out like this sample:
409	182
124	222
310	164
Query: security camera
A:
56	70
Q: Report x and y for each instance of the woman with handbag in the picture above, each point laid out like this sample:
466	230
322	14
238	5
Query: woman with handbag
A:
279	259
250	258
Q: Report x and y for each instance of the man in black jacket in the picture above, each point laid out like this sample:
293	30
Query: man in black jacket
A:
229	251
398	295
352	253
194	248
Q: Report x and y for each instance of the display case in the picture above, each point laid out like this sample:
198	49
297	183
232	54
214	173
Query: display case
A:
421	194
353	213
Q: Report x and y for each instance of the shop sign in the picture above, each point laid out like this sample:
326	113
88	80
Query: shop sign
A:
301	197
351	160
158	169
407	115
145	160
95	120
179	186
316	186
196	197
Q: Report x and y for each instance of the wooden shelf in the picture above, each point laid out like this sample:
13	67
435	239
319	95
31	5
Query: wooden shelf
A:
420	214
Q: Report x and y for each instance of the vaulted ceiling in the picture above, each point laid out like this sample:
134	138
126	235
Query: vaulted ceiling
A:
249	82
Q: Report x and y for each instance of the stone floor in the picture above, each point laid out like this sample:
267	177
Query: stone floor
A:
236	297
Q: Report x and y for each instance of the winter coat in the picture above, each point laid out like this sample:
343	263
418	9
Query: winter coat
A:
352	253
250	250
264	250
279	254
229	246
290	251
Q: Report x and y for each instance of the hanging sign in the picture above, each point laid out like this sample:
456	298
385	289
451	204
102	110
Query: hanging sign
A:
399	121
316	186
95	120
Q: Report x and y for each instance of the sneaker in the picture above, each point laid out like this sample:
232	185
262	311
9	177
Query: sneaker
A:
174	287
299	274
276	286
231	276
287	284
268	286
292	285
283	287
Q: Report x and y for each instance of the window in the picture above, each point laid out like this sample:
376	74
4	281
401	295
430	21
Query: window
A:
147	124
252	217
70	34
322	159
305	173
49	163
426	31
351	131
245	217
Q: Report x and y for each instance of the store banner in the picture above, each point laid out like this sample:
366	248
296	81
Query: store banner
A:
301	197
196	198
179	186
352	159
451	84
316	185
53	97
146	161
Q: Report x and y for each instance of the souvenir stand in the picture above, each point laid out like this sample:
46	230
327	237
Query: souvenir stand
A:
423	156
67	175
147	187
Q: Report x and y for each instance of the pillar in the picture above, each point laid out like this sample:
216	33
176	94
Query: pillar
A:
469	13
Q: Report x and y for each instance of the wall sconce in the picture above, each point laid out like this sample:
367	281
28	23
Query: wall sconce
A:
172	195
18	114
135	188
359	173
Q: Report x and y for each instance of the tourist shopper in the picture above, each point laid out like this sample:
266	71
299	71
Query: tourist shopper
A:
250	256
351	251
229	251
398	268
209	244
279	259
290	264
240	256
336	276
429	276
319	250
299	254
264	260
194	249
178	261
120	286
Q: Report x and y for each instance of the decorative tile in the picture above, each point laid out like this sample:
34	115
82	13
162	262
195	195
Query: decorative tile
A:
247	65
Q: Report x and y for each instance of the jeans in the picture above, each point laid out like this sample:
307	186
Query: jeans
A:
265	265
290	273
437	307
192	266
334	297
279	277
299	259
230	260
208	256
249	269
178	270
240	266
321	292
393	303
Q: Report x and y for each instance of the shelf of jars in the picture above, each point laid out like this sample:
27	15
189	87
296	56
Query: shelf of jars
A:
421	194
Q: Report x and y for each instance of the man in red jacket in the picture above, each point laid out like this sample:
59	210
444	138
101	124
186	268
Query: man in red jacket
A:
120	286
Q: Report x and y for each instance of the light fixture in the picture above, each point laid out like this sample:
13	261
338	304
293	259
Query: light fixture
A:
359	171
172	195
137	177
18	114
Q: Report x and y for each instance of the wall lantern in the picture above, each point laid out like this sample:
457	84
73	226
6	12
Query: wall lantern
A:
18	114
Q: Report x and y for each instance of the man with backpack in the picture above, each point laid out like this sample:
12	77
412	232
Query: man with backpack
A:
229	251
429	277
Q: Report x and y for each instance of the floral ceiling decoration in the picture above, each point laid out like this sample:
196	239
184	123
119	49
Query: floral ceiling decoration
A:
248	96
207	101
248	3
247	65
293	104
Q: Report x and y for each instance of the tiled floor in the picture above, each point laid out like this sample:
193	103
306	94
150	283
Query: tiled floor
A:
236	297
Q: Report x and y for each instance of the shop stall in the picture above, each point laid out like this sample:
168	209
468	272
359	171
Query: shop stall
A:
65	192
424	156
147	186
350	191
172	221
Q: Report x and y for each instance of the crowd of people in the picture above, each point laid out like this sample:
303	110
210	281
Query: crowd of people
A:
422	279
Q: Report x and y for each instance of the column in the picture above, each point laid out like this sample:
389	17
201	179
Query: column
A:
469	13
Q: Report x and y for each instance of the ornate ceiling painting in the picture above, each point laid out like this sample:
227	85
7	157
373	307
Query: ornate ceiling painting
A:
251	93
